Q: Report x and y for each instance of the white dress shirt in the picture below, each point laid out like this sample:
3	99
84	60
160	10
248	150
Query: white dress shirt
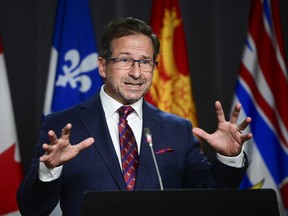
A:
134	119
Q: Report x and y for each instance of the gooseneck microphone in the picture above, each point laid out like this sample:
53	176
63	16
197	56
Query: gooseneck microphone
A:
149	141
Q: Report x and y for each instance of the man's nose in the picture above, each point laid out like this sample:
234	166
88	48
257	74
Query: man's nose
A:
135	70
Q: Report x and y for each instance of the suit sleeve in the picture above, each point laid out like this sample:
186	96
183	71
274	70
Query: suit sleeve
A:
202	173
35	197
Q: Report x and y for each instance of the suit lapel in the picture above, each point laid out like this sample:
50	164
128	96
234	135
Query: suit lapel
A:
93	118
153	122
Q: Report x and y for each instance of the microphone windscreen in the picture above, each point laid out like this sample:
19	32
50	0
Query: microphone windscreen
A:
147	131
148	135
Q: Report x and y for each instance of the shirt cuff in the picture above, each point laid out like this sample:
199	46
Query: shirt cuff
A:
47	175
237	161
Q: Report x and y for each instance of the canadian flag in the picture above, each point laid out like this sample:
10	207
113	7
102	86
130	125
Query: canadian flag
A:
10	167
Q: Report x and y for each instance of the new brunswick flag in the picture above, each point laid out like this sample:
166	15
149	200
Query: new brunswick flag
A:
171	90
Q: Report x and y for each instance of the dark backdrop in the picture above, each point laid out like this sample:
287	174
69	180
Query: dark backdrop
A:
215	31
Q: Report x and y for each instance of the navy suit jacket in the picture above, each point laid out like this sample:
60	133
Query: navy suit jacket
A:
97	167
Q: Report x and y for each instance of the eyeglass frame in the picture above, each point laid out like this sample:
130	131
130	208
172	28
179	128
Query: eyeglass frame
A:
140	61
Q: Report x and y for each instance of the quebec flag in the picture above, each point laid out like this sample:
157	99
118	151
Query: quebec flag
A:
73	74
262	89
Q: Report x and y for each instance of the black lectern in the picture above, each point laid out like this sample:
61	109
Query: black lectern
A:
194	202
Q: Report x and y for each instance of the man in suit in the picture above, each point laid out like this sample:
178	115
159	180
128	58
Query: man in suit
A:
78	148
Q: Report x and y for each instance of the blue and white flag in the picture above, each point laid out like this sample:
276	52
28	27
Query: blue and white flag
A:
262	89
73	74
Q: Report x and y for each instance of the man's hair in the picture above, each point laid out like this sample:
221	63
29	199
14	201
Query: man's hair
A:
123	27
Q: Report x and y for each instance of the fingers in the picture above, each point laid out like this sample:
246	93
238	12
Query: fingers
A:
60	150
66	131
219	112
242	126
85	143
46	147
53	138
200	133
53	141
235	113
64	140
64	134
246	137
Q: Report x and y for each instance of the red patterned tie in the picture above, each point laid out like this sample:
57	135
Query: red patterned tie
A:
128	147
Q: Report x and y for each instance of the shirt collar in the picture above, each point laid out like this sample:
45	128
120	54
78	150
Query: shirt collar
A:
110	105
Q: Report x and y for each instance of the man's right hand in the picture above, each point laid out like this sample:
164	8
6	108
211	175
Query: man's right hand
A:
60	150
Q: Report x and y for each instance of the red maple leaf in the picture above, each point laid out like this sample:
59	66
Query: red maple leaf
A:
11	175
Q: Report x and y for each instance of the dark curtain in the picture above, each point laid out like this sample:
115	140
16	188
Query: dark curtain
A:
215	32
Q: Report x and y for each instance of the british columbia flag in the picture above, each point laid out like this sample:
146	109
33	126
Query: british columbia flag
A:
262	89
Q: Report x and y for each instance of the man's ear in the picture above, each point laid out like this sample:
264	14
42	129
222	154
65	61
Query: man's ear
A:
102	67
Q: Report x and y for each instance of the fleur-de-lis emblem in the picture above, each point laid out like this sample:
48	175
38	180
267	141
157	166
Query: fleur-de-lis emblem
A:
74	70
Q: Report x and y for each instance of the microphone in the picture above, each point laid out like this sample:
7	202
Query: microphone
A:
149	141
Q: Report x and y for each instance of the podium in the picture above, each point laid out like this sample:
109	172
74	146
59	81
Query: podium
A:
204	202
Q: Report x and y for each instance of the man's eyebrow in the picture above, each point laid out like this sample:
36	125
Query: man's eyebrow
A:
123	53
128	53
147	57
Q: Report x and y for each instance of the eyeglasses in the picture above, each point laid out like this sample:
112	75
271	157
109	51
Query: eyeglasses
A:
145	65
